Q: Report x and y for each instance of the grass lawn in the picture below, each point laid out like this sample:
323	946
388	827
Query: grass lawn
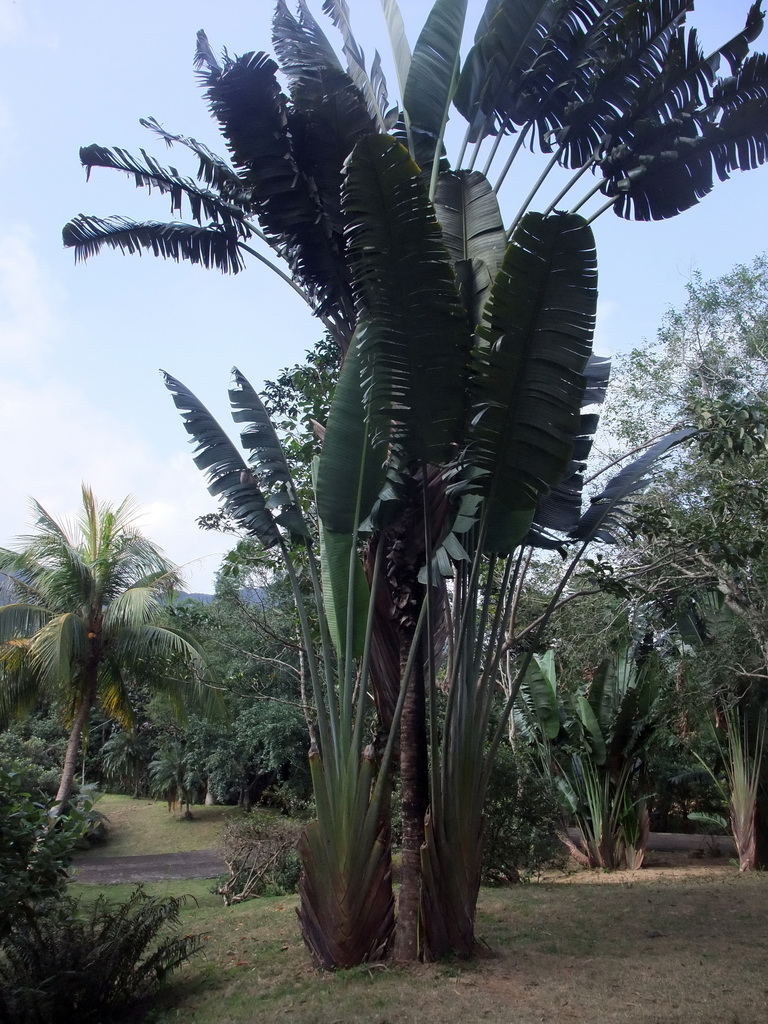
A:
146	826
654	947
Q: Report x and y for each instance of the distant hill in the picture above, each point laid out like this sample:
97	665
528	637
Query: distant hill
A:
250	595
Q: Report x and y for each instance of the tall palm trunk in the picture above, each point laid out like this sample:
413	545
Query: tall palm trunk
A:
414	779
75	736
70	758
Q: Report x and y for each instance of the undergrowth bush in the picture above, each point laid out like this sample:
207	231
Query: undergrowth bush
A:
34	854
93	963
260	854
522	816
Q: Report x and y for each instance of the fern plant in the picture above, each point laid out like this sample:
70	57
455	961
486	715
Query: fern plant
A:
90	963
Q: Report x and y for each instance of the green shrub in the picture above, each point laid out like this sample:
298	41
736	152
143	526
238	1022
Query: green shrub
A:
522	816
34	854
91	964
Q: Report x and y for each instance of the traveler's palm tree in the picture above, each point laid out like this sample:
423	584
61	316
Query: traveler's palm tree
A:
86	623
468	335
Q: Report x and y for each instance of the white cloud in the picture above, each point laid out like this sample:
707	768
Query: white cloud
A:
27	321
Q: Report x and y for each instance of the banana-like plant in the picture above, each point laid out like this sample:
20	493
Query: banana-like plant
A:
593	743
459	431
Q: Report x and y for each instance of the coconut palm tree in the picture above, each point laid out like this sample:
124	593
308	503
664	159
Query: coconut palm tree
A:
86	622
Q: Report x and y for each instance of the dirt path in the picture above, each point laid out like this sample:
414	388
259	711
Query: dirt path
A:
207	864
156	867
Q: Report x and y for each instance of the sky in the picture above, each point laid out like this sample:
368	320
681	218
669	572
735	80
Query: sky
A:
81	398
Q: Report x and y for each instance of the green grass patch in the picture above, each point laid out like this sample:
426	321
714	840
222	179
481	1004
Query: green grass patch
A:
147	826
658	949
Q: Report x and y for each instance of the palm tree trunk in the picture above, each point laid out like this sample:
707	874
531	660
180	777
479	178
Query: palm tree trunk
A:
70	759
414	779
761	826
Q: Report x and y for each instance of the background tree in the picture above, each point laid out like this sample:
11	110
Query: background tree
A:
692	561
87	618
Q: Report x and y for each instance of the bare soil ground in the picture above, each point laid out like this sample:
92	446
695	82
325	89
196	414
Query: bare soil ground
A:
154	867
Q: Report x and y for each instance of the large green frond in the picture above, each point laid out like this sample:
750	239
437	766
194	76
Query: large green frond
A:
434	69
413	332
229	478
54	572
58	651
19	687
182	666
559	511
211	246
350	474
340	562
474	234
21	620
528	373
133	607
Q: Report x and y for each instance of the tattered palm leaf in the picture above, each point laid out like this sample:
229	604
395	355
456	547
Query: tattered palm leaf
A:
372	87
329	116
663	173
433	72
413	332
604	516
229	478
211	246
300	44
267	458
246	100
559	511
150	174
636	56
527	381
521	67
211	169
